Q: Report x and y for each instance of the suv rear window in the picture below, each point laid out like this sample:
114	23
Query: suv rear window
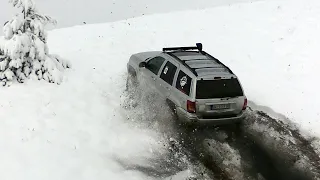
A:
208	89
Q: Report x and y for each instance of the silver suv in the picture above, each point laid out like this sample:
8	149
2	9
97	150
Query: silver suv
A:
197	86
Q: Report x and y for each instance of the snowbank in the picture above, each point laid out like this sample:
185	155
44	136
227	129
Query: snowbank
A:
72	131
76	130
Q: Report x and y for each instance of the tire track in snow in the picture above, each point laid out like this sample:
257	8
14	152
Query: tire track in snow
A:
263	148
284	144
210	146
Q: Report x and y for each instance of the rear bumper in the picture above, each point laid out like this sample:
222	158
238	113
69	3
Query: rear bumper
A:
193	119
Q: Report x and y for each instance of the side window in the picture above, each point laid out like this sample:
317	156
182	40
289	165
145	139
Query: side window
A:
154	64
183	83
168	72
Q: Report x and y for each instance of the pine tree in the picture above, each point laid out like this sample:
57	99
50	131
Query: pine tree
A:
23	49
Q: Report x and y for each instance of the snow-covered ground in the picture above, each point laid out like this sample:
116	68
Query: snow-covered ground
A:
79	130
271	46
70	13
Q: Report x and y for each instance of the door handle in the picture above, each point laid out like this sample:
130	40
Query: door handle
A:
153	78
168	88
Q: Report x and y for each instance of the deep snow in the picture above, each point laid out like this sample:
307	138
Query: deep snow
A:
79	130
70	13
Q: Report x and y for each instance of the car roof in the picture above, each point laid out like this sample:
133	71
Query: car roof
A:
201	63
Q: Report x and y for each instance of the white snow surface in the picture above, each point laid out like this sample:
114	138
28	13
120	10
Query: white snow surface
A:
78	130
70	13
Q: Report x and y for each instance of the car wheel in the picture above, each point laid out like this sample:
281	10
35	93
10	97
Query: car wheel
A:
132	90
172	108
131	82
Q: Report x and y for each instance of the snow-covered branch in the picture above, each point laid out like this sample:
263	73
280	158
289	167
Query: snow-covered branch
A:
23	49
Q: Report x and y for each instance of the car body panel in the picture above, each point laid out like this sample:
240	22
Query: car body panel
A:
227	109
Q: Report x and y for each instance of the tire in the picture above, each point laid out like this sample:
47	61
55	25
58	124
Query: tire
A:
132	90
131	78
172	108
131	82
171	105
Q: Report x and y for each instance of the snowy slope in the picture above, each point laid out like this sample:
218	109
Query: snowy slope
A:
271	46
79	130
74	131
70	13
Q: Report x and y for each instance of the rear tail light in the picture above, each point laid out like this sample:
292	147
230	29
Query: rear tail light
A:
191	106
245	104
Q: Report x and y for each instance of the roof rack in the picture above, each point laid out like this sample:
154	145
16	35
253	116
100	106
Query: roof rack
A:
183	62
171	50
197	47
207	54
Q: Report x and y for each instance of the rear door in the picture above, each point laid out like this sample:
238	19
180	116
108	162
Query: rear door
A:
166	78
149	74
219	97
183	89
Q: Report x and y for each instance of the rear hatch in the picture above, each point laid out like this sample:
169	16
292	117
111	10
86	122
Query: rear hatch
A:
218	98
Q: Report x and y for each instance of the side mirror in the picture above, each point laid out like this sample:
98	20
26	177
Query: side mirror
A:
143	64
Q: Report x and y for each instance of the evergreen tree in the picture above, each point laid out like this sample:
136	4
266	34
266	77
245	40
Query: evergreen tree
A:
23	49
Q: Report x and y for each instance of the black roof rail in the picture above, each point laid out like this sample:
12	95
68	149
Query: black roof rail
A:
171	50
217	60
181	61
197	47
